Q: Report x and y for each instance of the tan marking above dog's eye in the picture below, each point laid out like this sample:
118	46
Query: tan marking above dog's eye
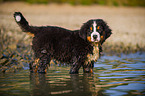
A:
91	28
98	27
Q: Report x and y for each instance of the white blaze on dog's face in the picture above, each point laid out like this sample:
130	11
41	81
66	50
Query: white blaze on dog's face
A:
95	36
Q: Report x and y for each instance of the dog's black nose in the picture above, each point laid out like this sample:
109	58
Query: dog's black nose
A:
95	36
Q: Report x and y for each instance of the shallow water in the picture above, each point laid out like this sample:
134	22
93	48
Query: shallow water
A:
113	76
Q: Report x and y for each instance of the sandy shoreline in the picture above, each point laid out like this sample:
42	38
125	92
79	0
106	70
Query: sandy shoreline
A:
127	23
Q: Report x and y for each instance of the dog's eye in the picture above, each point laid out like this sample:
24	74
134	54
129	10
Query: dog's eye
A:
99	29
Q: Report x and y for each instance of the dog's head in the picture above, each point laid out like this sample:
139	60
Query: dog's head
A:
95	30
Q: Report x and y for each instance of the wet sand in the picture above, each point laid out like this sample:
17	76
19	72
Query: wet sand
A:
127	23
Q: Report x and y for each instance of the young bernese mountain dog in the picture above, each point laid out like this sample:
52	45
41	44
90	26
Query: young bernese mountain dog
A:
78	47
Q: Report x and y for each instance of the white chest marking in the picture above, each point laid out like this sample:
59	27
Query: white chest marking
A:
93	57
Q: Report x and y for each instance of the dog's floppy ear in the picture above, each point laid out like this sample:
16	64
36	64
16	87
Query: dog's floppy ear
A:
84	29
106	31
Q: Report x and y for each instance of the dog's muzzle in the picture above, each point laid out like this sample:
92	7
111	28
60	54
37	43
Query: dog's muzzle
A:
95	37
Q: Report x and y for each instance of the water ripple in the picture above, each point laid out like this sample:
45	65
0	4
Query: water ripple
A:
113	76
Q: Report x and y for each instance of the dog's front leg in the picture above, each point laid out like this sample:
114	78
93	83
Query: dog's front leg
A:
88	68
75	66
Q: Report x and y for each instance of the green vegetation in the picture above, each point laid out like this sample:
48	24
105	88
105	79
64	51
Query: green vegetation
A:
89	2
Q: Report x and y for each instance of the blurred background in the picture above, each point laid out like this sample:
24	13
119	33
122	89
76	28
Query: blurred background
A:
88	2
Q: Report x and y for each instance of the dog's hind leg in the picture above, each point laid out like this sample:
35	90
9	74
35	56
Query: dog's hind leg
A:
34	65
43	63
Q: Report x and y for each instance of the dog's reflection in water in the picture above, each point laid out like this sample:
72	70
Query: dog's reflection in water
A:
79	85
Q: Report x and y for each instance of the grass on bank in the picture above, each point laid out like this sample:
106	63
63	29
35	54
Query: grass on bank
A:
88	2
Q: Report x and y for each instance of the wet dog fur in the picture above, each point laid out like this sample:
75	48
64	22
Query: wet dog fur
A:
76	47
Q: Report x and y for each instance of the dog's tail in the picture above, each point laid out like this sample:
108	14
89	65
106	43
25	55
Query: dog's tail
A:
22	22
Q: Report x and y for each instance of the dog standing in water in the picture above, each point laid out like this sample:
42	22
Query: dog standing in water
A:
78	47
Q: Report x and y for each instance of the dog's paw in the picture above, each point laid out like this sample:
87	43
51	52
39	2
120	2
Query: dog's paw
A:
17	16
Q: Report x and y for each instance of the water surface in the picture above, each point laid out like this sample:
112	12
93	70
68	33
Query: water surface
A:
113	76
